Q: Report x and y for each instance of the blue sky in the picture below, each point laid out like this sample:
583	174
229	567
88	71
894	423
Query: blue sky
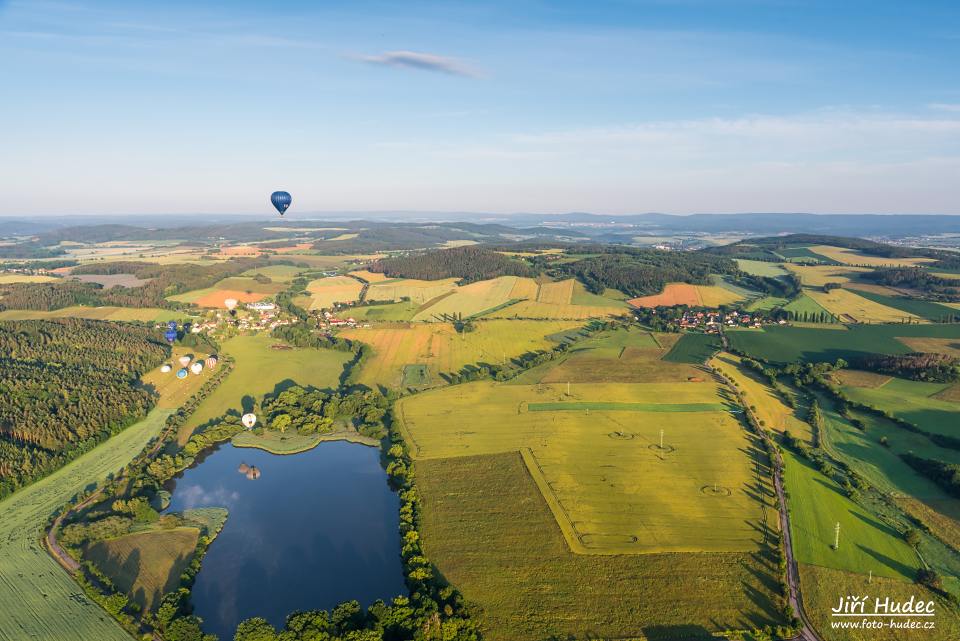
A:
618	107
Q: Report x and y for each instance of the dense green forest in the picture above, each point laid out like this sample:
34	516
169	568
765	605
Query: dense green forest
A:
946	475
639	272
916	278
163	281
65	386
467	263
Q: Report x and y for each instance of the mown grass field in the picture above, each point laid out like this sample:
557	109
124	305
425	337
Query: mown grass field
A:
686	294
804	304
173	392
146	565
38	600
324	292
850	306
390	312
693	348
259	369
145	314
823	588
820	275
610	486
817	504
443	350
486	526
471	299
418	291
277	273
914	403
922	308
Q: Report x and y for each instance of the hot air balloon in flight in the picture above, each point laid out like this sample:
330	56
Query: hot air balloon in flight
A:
281	200
249	420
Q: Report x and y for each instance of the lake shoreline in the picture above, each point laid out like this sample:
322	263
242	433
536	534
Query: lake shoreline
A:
295	443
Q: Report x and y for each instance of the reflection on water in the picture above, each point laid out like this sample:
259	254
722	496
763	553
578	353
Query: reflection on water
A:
305	531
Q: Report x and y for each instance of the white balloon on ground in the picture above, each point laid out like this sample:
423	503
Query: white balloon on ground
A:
184	360
197	367
230	303
165	369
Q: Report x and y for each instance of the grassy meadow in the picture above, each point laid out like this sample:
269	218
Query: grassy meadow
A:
145	314
258	370
324	292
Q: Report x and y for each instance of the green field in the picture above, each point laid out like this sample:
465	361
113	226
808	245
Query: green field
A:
415	375
761	268
693	349
276	273
922	308
766	304
804	254
817	503
39	600
610	486
600	406
490	533
259	370
231	284
393	312
785	344
930	414
145	314
146	565
803	304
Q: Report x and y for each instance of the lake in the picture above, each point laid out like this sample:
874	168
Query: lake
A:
313	530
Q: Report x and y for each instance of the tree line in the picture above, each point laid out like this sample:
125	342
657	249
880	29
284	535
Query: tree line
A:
469	264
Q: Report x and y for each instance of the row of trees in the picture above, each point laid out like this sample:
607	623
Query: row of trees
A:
934	368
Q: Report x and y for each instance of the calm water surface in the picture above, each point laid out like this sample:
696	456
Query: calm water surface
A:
316	529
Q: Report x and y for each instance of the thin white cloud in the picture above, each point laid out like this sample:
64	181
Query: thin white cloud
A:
421	61
944	106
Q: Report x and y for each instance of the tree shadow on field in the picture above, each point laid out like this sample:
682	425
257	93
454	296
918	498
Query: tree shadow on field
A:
247	403
891	563
685	631
883	527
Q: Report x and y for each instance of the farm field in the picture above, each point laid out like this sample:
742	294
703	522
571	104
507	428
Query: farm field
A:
788	344
145	314
823	587
923	308
949	346
443	350
486	526
820	275
696	494
146	565
853	257
761	268
258	370
370	277
390	312
557	293
931	414
418	291
816	503
766	304
802	254
609	297
693	348
686	294
40	600
770	408
849	306
804	304
324	292
531	309
472	299
7	278
244	289
277	273
109	281
323	261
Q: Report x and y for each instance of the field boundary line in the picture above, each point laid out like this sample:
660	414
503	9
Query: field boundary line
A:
560	515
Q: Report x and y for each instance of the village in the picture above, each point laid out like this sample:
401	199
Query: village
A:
713	320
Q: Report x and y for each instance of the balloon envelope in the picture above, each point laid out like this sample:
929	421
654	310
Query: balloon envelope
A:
172	325
248	420
171	335
281	200
165	369
197	367
182	373
184	360
230	303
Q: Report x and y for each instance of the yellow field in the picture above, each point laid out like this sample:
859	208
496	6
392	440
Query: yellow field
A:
850	307
174	391
146	565
770	408
820	275
531	309
525	288
852	257
418	291
860	378
610	487
148	314
949	346
7	278
471	299
714	295
324	292
558	293
443	350
370	277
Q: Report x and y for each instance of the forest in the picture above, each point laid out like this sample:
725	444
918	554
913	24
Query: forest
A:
65	386
466	263
933	286
933	368
639	272
946	475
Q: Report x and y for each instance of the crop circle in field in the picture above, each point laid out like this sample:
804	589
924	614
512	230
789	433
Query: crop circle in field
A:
715	490
622	436
666	449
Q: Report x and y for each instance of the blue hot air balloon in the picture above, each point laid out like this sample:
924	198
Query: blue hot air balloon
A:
281	200
172	324
171	335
